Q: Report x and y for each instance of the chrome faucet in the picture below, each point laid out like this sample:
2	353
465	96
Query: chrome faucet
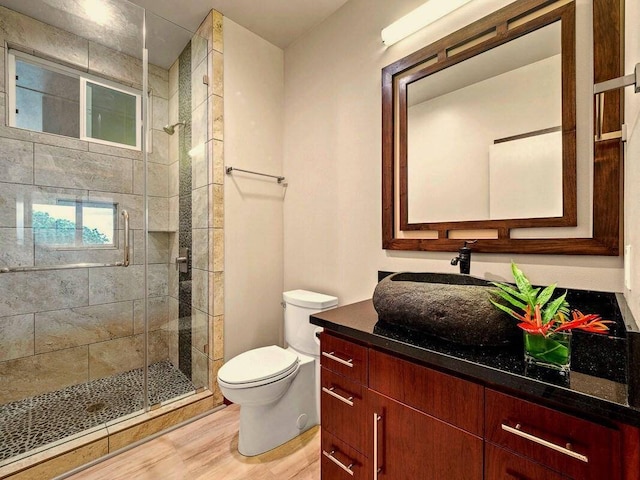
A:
464	257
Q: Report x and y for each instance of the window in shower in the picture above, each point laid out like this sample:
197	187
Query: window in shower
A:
71	223
51	98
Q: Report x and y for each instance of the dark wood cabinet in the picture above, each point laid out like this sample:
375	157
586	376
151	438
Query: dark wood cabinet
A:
342	410
576	447
501	464
403	420
407	444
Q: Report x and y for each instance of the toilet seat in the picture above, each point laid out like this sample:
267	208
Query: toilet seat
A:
257	367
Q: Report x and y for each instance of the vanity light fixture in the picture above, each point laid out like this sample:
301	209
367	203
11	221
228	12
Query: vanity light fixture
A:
418	19
599	89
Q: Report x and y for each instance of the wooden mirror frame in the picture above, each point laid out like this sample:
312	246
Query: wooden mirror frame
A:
508	23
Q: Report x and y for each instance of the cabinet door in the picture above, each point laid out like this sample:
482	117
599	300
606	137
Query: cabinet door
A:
406	444
340	461
342	409
576	447
502	465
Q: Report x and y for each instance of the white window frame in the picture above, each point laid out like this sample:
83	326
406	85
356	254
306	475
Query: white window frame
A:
83	79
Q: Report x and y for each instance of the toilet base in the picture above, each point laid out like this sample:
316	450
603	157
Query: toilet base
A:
264	427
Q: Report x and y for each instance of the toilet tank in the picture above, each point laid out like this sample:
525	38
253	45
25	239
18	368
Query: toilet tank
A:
298	305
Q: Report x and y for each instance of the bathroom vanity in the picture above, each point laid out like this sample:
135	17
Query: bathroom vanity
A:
399	405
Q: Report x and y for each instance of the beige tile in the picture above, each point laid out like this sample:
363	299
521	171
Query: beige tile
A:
200	289
73	327
108	285
123	438
158	314
16	337
218	42
199	369
216	293
115	356
199	330
199	89
216	153
158	213
214	366
216	210
205	30
200	207
22	292
43	373
200	160
65	462
216	247
216	117
218	337
158	346
200	239
216	75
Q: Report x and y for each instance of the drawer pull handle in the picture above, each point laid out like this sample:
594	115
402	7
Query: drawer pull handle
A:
517	431
338	462
376	468
331	355
330	391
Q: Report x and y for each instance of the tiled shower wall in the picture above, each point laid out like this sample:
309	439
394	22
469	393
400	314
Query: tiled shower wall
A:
61	328
196	176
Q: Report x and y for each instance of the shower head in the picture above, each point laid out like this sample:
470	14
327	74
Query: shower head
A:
171	129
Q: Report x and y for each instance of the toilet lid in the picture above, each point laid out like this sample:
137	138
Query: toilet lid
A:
257	365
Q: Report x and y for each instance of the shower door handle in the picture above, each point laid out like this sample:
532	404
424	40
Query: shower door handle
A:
126	260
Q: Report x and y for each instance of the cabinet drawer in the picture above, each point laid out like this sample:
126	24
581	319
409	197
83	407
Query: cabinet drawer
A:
501	464
342	408
339	461
451	399
344	357
578	448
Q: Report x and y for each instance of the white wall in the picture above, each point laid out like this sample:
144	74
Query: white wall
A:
632	158
332	159
253	119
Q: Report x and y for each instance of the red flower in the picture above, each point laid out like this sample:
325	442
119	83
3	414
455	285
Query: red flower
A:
533	325
590	323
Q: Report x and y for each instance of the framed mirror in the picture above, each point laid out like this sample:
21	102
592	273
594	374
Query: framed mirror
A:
479	137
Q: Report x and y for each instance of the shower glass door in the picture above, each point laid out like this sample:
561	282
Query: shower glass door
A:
72	222
105	224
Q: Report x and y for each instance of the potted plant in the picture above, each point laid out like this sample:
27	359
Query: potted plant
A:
547	322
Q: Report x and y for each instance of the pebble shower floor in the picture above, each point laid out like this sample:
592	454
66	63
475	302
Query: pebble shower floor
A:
37	421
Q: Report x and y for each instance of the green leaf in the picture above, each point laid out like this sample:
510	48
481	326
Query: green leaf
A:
521	281
546	294
499	306
511	291
513	301
553	308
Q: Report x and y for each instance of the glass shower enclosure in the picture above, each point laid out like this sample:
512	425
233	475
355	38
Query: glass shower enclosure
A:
100	132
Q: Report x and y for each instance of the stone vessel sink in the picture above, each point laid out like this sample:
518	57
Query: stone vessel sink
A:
449	306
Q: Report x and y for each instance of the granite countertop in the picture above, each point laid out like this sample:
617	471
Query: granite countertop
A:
596	385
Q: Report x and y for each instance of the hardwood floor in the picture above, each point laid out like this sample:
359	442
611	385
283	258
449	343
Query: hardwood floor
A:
208	449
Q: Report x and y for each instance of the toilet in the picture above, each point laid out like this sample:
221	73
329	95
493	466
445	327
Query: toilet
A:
278	389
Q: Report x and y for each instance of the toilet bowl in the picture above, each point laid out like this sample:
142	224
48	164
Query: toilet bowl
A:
277	388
